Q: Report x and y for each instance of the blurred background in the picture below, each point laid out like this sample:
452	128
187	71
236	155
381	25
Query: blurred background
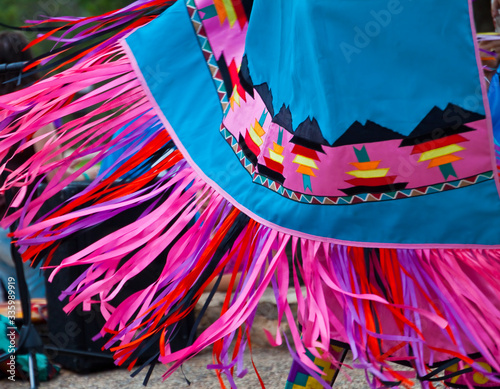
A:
17	12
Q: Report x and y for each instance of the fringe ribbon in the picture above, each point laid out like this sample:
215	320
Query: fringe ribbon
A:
386	305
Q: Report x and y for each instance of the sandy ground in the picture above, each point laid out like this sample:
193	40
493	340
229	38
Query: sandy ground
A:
273	364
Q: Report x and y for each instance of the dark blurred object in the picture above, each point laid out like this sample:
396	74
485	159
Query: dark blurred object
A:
482	15
12	58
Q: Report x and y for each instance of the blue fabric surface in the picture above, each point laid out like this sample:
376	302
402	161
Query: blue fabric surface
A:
189	100
112	161
299	37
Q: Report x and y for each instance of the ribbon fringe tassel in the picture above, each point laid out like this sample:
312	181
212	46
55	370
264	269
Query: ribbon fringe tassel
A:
342	292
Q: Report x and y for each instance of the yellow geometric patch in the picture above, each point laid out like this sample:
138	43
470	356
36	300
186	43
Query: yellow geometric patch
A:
436	153
301	160
375	173
231	13
276	157
256	138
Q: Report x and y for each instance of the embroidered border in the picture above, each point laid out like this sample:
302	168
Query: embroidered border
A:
278	187
347	200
